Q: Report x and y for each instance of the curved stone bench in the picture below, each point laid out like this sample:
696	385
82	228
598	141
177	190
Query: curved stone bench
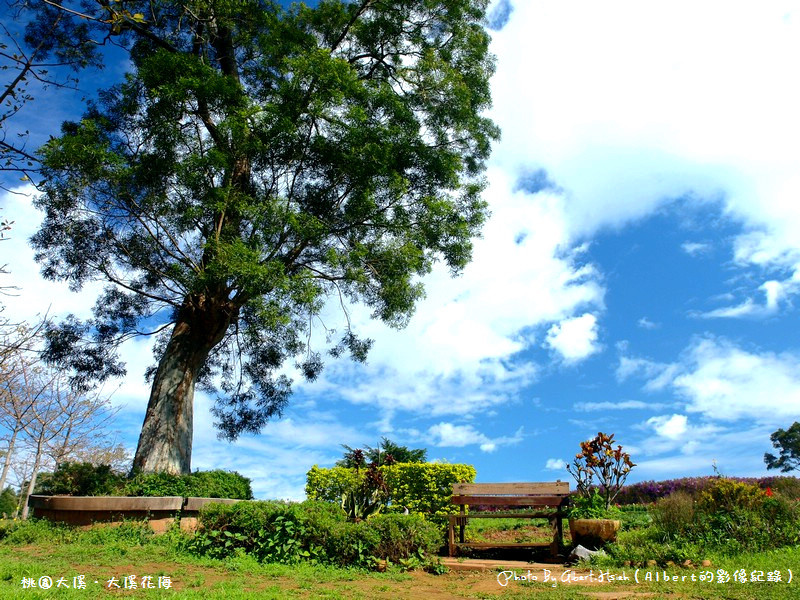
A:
160	511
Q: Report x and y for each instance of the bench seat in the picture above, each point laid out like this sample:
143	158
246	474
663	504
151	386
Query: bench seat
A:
551	495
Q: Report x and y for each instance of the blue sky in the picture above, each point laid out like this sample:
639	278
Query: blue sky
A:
639	273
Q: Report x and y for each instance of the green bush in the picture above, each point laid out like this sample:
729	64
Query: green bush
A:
404	536
8	502
424	488
81	479
85	479
203	484
331	484
674	516
289	532
729	517
726	495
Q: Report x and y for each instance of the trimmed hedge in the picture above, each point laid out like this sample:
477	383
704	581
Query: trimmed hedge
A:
423	488
85	479
203	484
288	532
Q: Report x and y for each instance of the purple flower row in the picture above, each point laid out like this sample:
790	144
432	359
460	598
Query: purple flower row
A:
646	492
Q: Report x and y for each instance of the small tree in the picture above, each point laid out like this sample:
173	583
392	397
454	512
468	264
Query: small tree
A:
387	452
788	442
599	459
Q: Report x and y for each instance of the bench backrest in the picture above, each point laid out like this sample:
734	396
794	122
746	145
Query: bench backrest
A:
547	493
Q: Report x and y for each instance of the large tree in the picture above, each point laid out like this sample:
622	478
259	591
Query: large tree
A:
255	162
42	46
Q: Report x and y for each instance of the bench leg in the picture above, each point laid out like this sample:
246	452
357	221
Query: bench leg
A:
560	521
555	526
461	525
451	536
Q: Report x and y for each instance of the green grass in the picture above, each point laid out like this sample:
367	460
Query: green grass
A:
36	549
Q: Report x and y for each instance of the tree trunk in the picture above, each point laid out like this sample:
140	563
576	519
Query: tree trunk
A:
165	443
37	463
8	458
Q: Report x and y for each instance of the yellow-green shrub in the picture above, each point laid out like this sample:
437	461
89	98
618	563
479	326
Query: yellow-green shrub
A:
330	484
423	488
726	495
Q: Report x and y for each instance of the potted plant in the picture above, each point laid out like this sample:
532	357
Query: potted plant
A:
591	519
591	524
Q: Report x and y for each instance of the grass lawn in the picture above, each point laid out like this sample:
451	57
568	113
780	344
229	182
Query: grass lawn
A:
105	553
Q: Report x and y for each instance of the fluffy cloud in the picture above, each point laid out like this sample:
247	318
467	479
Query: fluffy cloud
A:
448	434
622	132
695	248
458	353
723	382
555	464
671	427
646	323
574	339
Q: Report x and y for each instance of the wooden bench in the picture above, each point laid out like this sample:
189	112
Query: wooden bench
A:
553	496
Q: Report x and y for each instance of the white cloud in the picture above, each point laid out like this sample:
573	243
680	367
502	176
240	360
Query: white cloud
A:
623	132
555	464
658	374
723	382
775	293
450	435
671	427
574	339
457	354
695	248
621	405
646	323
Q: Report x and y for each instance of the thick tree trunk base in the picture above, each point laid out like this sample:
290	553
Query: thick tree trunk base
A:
165	444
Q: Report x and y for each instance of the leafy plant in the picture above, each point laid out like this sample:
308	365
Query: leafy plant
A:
203	484
599	459
367	498
592	507
311	530
674	515
729	517
82	479
424	488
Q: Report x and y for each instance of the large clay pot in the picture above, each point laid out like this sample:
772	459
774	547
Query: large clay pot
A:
593	533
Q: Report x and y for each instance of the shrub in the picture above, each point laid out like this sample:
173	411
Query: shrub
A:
729	517
8	503
331	484
737	517
647	492
203	484
673	516
424	488
85	479
728	496
81	479
592	507
289	532
404	536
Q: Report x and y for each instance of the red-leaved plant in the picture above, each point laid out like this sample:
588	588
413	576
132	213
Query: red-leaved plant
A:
599	459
